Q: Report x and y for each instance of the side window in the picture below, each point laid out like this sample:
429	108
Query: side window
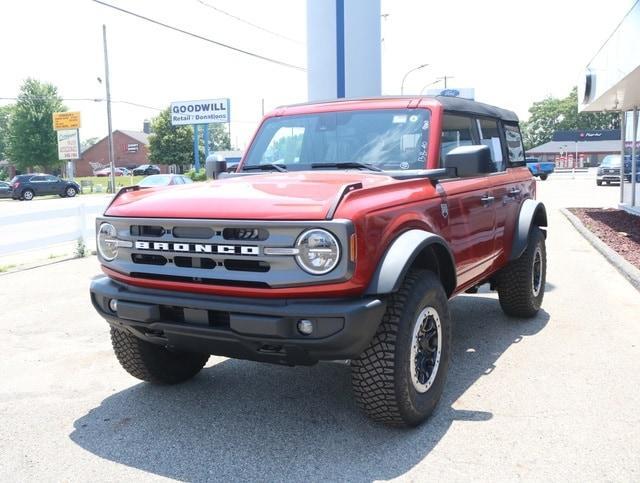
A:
490	136
456	131
514	143
285	146
51	179
36	178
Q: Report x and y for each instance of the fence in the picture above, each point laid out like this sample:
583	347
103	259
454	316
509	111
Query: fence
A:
23	232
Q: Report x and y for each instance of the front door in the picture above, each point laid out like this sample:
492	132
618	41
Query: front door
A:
469	204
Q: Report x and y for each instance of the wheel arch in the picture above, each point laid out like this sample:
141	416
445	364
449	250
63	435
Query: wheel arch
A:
414	249
532	213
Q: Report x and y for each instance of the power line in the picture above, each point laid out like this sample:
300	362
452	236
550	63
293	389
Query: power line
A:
239	19
91	99
191	34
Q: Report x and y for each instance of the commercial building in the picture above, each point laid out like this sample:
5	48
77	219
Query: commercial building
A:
131	149
611	82
579	149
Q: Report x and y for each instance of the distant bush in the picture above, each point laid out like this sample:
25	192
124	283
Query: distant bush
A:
197	175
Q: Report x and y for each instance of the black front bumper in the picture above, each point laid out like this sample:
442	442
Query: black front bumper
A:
243	328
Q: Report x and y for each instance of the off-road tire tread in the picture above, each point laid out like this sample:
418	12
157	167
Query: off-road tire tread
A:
153	363
373	373
514	291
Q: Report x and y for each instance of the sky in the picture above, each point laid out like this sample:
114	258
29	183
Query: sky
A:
512	53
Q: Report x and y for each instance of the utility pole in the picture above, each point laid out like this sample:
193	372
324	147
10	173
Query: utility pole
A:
110	135
444	78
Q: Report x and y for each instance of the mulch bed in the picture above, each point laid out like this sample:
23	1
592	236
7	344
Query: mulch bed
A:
617	228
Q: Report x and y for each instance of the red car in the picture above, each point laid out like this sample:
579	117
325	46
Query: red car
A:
345	230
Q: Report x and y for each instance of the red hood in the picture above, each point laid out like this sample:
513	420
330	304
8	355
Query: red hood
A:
291	196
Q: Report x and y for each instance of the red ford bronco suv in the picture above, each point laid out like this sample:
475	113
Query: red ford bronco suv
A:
341	235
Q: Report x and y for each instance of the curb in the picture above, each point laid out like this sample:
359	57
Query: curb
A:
45	263
631	273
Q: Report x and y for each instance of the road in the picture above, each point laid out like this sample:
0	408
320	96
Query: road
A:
553	398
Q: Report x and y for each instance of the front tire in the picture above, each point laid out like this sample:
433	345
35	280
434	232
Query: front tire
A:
400	376
599	182
154	363
70	192
543	177
521	283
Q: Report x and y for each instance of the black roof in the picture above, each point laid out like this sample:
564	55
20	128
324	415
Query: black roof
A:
456	104
465	105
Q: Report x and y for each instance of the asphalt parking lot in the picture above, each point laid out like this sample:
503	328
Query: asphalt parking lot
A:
553	398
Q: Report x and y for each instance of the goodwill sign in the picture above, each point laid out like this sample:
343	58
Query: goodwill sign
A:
200	112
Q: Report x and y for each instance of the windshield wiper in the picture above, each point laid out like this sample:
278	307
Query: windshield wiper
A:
346	165
267	166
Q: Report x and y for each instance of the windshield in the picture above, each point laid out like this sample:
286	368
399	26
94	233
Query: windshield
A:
155	180
611	161
386	138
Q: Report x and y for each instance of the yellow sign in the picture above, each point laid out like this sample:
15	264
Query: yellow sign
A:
66	120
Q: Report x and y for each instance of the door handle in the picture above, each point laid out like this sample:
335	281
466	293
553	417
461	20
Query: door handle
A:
487	200
514	192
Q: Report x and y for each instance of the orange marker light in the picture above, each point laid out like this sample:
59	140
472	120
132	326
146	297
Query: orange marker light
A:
352	248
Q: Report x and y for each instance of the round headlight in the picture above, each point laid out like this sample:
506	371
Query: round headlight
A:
319	252
107	243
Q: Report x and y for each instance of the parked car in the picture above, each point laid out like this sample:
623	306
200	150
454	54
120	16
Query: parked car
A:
541	169
609	170
117	171
26	186
156	180
146	170
5	189
346	245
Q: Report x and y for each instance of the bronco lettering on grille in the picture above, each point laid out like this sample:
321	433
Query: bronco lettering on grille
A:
198	248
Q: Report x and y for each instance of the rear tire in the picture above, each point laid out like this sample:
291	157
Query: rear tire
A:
521	283
154	363
400	376
27	195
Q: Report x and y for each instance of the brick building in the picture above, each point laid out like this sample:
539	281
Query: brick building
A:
131	149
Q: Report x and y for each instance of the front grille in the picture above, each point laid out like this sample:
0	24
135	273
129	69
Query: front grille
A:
247	266
220	252
195	262
147	230
148	259
197	232
245	234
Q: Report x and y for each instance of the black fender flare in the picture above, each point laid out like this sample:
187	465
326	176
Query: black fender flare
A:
532	213
400	256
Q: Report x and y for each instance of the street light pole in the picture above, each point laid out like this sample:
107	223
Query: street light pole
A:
110	134
409	72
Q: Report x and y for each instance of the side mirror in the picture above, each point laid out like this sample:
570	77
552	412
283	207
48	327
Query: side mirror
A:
220	166
470	160
215	165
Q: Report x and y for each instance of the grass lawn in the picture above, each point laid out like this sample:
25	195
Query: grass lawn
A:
99	184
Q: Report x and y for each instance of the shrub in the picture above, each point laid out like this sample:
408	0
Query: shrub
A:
197	175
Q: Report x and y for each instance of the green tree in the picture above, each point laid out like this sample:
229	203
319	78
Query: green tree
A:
170	144
553	114
32	140
5	116
219	137
87	143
